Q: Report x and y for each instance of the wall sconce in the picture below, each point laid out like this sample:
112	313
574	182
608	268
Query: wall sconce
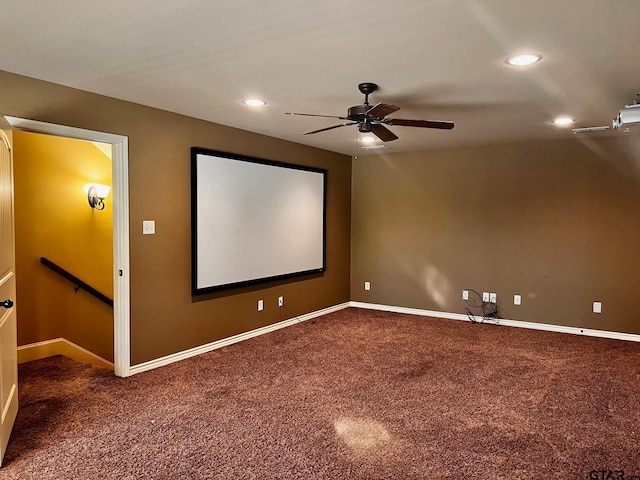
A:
96	194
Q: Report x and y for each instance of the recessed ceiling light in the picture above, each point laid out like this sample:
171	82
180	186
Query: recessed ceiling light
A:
254	102
524	59
563	121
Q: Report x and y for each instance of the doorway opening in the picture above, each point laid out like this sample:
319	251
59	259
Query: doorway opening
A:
120	199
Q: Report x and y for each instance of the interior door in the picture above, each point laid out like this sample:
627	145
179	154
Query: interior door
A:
8	330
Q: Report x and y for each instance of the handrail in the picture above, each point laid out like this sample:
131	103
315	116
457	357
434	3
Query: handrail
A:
79	283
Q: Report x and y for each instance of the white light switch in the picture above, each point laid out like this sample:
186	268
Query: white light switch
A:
148	227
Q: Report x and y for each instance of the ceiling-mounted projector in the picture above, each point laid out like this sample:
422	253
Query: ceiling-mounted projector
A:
627	117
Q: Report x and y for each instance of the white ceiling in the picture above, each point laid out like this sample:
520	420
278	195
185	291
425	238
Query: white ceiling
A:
435	59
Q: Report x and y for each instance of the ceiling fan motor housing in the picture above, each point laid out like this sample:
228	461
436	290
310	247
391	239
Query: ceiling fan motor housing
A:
358	113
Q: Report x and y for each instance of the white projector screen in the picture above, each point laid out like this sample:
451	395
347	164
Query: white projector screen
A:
254	220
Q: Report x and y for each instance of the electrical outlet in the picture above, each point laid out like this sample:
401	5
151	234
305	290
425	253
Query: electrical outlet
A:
281	301
260	305
597	307
493	298
465	294
517	299
367	285
485	296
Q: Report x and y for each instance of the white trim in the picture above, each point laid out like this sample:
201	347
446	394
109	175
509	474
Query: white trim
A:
59	346
192	352
120	185
121	304
590	332
409	311
62	130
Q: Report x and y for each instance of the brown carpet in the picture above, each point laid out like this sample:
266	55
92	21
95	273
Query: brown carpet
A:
358	394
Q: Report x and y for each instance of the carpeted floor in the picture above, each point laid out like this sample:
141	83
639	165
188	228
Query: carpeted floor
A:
358	394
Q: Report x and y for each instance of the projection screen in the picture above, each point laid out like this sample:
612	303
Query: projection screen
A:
254	220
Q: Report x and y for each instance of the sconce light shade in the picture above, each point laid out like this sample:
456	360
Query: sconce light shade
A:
96	194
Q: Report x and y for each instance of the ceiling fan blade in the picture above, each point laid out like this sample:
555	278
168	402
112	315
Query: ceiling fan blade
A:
383	133
419	123
330	128
314	115
381	109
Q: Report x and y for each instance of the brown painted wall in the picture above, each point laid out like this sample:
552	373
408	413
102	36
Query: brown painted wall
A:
556	222
165	318
53	219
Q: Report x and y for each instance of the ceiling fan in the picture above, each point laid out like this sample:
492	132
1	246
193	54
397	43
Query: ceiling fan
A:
373	118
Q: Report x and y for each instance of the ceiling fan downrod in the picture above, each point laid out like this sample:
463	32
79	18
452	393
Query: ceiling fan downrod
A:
366	88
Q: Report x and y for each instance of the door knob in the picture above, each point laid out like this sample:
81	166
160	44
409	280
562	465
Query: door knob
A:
8	303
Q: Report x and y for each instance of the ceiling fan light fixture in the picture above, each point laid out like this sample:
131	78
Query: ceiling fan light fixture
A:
563	121
524	59
368	139
254	102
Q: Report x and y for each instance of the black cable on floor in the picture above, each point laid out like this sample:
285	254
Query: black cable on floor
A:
294	316
487	311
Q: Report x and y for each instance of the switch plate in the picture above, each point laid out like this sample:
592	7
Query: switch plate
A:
493	298
148	227
465	294
517	300
485	296
260	305
597	307
367	285
281	301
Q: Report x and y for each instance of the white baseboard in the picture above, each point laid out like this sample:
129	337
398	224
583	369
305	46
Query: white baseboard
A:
590	332
192	352
60	346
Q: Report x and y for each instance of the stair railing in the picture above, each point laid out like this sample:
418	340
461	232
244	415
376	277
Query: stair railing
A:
80	285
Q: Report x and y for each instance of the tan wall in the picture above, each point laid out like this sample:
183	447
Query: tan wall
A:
53	219
556	222
165	318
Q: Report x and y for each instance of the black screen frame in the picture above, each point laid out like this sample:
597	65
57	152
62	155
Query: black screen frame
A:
198	290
